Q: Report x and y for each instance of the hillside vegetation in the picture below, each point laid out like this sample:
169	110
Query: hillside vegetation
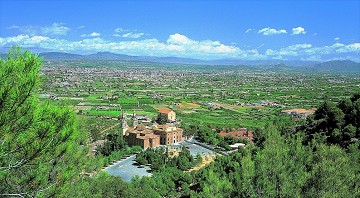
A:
41	152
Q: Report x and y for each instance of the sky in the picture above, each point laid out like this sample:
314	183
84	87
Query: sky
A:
248	30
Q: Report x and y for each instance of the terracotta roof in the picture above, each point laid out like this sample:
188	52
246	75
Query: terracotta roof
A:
147	136
136	131
238	134
165	111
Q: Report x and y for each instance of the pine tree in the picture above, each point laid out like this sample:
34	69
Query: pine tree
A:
39	147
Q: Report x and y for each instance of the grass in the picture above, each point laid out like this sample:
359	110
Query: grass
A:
94	96
102	113
146	101
127	101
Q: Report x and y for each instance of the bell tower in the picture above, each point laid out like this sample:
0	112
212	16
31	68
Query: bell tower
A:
134	119
124	125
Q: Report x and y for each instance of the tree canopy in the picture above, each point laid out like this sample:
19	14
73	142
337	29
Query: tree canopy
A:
336	123
39	143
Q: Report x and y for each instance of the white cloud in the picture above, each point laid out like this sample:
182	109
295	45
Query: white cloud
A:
183	43
176	45
298	47
118	30
354	47
94	34
178	39
13	27
312	58
336	39
270	31
298	30
308	52
249	30
80	27
181	46
56	29
132	35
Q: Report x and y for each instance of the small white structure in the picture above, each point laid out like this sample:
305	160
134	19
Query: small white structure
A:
235	146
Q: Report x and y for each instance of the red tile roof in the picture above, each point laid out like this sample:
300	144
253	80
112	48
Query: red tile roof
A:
165	111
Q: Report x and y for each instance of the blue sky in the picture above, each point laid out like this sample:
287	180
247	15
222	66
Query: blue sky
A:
248	30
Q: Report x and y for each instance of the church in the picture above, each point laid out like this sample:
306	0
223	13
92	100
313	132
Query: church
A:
151	136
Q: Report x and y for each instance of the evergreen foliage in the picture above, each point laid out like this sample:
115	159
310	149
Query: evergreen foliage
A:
159	159
39	143
336	124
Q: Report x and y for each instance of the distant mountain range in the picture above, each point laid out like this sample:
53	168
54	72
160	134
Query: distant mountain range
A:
123	57
119	57
336	65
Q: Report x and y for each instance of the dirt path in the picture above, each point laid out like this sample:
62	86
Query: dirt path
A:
205	160
103	131
227	106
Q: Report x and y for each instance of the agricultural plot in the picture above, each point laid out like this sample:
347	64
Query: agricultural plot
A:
222	95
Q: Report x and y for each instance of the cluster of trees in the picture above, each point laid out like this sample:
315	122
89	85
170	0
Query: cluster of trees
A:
208	135
283	167
170	181
39	143
336	123
113	142
159	159
161	119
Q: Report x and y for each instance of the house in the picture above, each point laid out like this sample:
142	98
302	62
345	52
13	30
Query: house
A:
240	134
142	136
167	114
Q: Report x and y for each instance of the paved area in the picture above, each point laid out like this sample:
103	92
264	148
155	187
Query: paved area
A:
128	168
195	149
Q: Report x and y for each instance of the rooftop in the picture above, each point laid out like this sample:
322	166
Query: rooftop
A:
165	111
244	133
